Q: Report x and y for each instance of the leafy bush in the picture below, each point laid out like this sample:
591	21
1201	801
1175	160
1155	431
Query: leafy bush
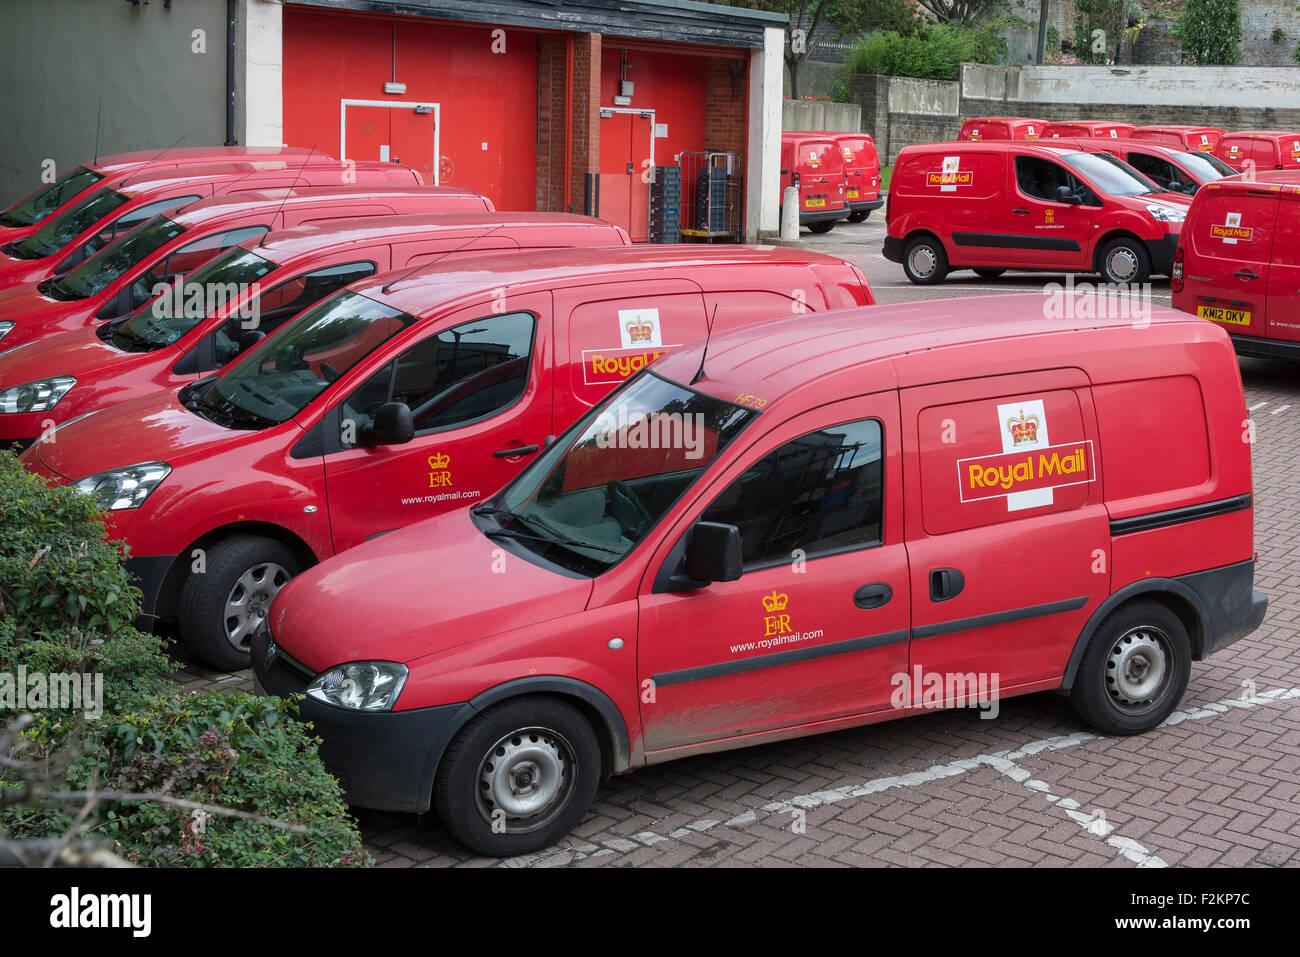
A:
1097	26
1209	31
66	606
931	53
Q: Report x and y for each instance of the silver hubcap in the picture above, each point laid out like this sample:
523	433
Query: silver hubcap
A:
1122	265
525	774
1137	666
923	262
250	600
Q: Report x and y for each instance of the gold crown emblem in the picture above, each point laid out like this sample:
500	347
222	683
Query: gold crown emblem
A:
439	460
775	601
1023	429
638	330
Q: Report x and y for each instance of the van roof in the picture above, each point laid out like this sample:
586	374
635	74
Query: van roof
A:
148	178
1133	142
1262	134
1006	119
812	134
1280	180
416	292
204	211
1044	147
286	244
864	349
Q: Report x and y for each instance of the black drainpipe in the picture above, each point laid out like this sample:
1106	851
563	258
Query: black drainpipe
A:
230	71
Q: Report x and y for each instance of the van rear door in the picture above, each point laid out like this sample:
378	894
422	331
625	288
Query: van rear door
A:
1230	239
1283	309
821	176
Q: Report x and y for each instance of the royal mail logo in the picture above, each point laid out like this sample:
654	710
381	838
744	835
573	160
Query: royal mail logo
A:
1231	230
775	620
603	367
1234	151
1006	474
814	159
639	331
638	328
1030	133
1023	428
1049	217
439	476
439	460
959	178
775	601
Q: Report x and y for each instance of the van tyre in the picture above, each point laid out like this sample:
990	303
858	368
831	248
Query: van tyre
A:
924	261
518	777
221	606
1134	670
1124	261
859	216
822	227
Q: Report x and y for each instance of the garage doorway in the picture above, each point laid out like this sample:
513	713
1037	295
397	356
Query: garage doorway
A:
392	131
627	151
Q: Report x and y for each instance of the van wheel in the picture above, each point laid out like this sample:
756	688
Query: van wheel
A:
822	227
859	216
989	273
1124	261
924	261
1134	671
518	777
221	606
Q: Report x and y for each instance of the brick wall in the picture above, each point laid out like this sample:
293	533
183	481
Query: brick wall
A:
726	106
586	114
551	54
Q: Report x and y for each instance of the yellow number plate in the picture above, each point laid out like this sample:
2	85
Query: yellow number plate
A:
815	203
1234	317
853	194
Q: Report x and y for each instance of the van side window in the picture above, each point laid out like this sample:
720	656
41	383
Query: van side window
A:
281	303
1161	172
1040	179
130	220
820	493
457	376
186	258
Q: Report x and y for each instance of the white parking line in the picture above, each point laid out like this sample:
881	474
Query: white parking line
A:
1003	761
1280	408
1257	405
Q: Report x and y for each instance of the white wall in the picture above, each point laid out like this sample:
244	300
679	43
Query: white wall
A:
763	166
1209	86
259	65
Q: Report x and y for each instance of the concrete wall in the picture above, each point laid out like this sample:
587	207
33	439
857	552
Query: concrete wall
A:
821	115
763	159
60	55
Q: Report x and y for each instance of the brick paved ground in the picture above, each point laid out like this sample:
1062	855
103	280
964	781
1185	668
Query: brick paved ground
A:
1219	784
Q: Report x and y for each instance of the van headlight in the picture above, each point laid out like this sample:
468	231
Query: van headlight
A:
5	326
360	685
39	396
1166	214
124	488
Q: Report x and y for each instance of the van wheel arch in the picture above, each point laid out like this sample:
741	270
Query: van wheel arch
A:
1107	237
1174	595
594	705
169	593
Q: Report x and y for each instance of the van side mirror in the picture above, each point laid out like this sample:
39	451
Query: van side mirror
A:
392	425
713	553
1066	195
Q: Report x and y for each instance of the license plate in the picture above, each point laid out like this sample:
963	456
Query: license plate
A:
1234	317
815	203
853	194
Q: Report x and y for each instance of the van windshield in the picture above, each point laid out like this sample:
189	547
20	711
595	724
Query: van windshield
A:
597	492
113	260
1110	175
275	382
219	283
57	233
1205	166
50	197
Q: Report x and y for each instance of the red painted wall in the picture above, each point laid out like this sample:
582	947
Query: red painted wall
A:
484	97
671	85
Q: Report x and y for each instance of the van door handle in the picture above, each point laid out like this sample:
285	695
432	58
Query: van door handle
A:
946	583
1020	211
520	450
1246	274
873	595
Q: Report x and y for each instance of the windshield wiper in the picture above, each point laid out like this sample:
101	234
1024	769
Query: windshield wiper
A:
570	542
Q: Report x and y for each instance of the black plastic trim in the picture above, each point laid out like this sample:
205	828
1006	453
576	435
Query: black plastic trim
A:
998	617
1176	516
1014	241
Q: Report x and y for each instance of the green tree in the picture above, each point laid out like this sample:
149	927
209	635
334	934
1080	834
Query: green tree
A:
1209	31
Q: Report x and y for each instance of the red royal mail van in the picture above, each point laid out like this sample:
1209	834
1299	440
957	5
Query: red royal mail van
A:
1087	128
1263	149
819	551
862	174
1170	167
88	225
22	218
1239	261
1001	128
994	206
813	163
395	400
1200	139
125	274
254	288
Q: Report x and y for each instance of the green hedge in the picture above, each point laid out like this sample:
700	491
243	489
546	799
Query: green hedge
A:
66	604
932	53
